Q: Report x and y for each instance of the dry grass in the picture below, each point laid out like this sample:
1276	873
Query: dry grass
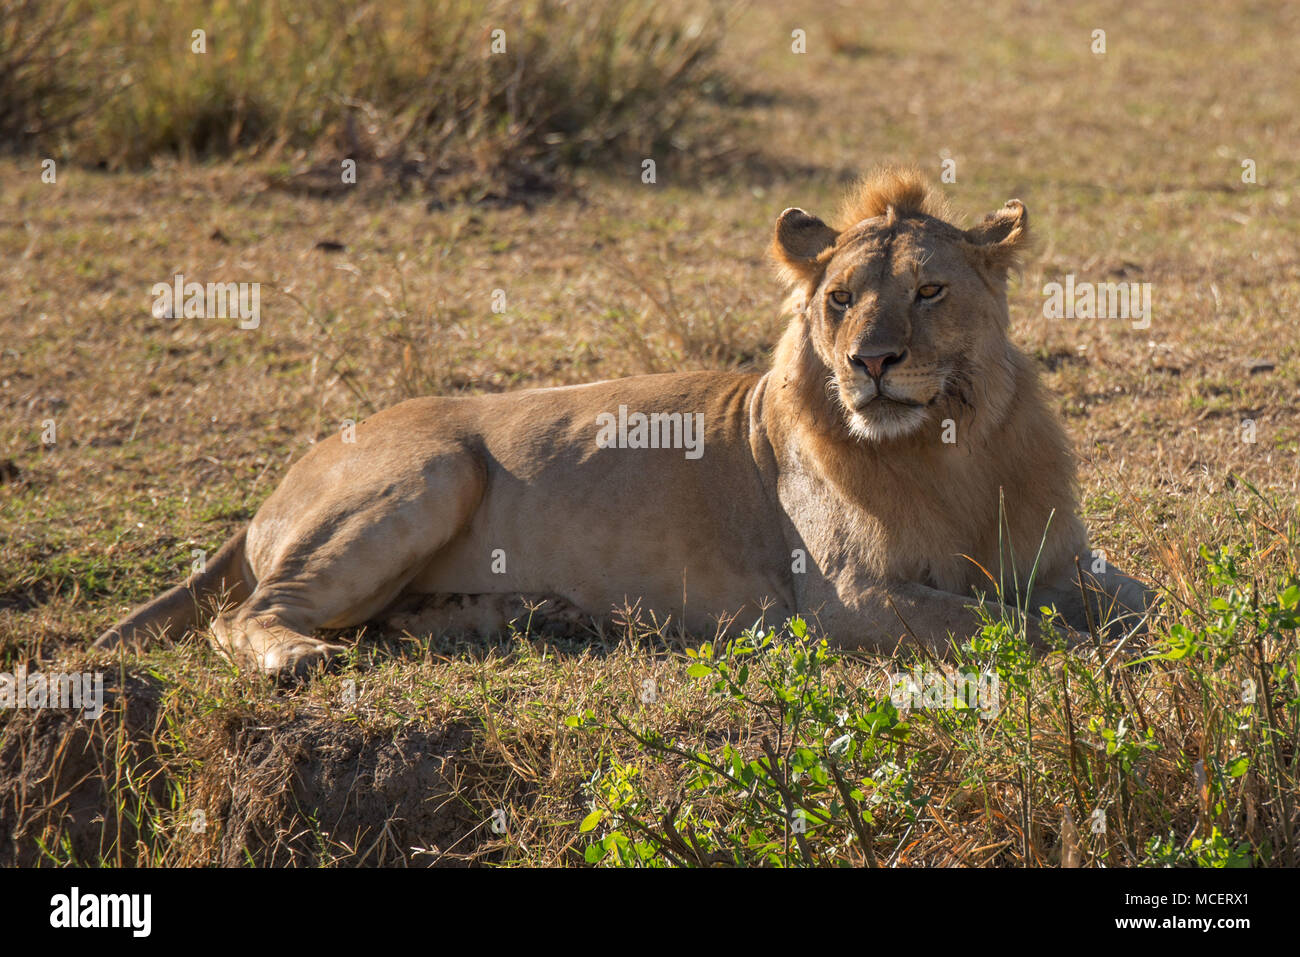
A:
171	432
465	99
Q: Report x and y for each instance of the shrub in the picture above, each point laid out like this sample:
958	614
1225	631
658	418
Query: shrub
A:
428	88
1183	755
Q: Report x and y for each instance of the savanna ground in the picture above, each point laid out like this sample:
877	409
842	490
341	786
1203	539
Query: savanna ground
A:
637	744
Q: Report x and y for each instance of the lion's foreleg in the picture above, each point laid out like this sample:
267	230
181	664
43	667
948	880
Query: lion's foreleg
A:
888	618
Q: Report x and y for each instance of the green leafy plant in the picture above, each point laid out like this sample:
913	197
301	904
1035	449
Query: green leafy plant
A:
828	764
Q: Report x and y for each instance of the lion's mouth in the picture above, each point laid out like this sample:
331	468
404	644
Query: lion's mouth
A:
880	398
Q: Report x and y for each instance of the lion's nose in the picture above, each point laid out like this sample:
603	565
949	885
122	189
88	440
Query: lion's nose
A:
876	364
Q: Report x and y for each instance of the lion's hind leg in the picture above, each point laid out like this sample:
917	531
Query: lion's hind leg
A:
267	645
344	560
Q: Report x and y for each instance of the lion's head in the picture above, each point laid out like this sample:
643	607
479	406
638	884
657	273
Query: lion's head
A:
904	310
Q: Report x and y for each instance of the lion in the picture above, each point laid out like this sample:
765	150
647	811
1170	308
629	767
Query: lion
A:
894	470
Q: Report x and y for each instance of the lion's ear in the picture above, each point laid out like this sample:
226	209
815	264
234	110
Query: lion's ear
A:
800	240
1002	236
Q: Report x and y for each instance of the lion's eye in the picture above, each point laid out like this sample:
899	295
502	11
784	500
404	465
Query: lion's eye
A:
930	290
841	297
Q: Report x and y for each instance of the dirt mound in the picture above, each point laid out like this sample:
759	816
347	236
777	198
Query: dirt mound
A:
232	788
60	774
312	790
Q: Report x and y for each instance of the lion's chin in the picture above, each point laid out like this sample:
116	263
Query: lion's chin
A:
883	420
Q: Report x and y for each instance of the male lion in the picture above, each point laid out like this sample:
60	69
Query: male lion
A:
896	459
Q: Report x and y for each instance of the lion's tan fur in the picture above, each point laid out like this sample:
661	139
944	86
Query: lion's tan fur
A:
874	505
906	190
